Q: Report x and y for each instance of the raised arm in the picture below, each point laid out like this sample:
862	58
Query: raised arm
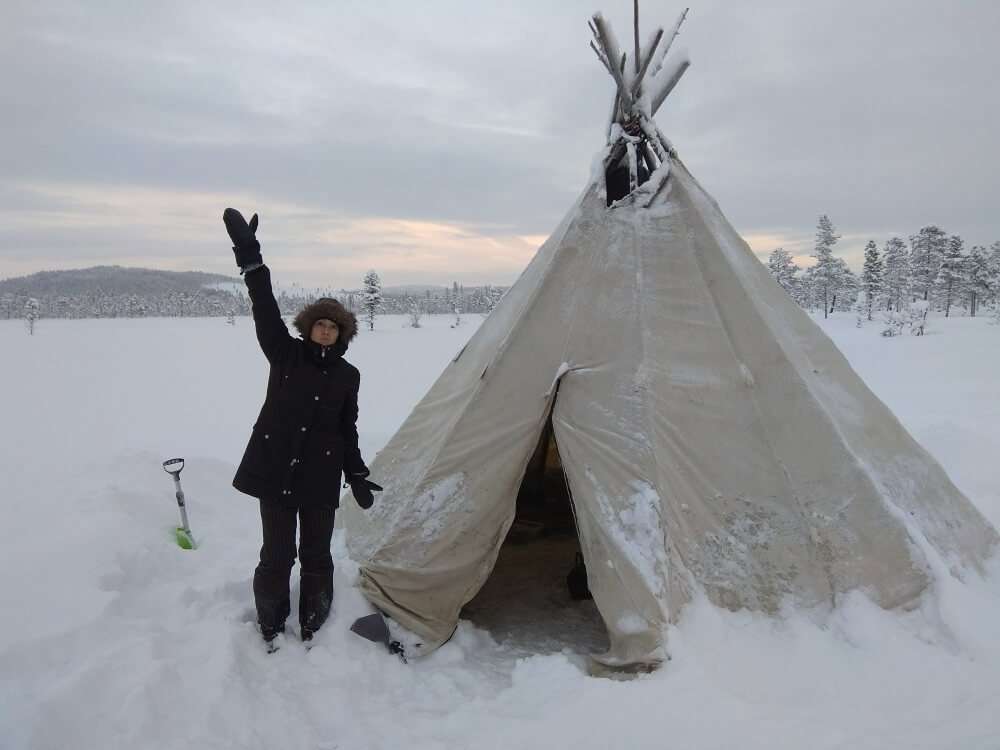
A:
272	333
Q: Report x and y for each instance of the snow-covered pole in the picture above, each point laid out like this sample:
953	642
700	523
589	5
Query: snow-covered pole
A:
614	113
660	95
635	16
651	161
637	84
610	46
670	40
600	56
633	166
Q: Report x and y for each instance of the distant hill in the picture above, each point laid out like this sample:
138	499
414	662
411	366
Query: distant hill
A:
117	292
115	280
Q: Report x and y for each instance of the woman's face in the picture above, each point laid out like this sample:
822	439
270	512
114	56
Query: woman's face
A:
324	332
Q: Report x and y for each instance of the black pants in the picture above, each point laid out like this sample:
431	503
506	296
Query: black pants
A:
277	555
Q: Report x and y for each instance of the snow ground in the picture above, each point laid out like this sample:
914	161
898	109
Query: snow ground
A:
112	637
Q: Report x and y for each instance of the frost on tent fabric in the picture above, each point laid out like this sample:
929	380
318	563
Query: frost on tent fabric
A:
647	396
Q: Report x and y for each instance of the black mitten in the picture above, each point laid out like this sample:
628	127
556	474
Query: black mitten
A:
362	490
245	244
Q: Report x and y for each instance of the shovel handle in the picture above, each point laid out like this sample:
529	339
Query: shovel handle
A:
173	465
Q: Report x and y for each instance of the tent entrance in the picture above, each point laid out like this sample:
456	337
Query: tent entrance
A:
526	602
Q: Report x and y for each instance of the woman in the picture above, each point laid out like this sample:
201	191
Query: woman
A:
304	438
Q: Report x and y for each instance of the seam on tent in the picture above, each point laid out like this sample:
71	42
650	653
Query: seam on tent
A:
599	251
647	410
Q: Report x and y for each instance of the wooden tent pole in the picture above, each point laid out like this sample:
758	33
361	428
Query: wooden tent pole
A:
645	63
600	57
614	112
670	41
663	92
635	15
612	54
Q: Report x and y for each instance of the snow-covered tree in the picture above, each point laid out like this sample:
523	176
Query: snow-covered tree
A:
415	313
918	316
994	262
371	297
927	250
894	321
896	277
951	278
871	278
983	271
862	309
493	297
826	273
847	288
31	313
783	270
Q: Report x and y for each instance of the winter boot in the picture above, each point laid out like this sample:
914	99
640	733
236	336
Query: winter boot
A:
314	611
271	619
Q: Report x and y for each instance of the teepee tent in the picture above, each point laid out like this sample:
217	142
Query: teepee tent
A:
713	440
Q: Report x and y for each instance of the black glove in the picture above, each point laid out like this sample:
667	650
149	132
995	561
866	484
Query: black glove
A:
245	244
362	490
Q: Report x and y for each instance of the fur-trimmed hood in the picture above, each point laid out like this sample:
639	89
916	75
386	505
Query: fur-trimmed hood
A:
330	309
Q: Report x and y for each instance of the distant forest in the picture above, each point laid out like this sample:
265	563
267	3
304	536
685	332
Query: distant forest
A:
117	292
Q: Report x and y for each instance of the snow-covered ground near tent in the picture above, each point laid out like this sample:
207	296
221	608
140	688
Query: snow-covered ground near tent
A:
112	637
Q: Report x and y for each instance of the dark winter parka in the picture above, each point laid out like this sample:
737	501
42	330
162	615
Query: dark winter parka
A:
306	433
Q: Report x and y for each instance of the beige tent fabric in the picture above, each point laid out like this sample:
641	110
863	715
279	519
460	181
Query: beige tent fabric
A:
713	438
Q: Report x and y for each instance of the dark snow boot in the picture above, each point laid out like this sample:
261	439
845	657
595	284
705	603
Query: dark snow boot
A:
271	620
270	634
313	612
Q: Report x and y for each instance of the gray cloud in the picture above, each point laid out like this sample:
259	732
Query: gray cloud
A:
486	118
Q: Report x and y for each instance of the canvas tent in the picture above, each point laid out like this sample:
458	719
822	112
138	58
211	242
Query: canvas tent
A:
713	440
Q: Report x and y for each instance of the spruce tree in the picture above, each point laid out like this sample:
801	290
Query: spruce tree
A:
783	270
951	278
983	269
927	250
896	276
871	276
371	297
826	273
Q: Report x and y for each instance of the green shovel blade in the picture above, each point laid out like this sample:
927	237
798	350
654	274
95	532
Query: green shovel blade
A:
184	538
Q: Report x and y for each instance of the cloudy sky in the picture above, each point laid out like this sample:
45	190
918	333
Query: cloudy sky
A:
443	140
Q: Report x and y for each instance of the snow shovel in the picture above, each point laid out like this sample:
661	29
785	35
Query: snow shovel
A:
174	466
